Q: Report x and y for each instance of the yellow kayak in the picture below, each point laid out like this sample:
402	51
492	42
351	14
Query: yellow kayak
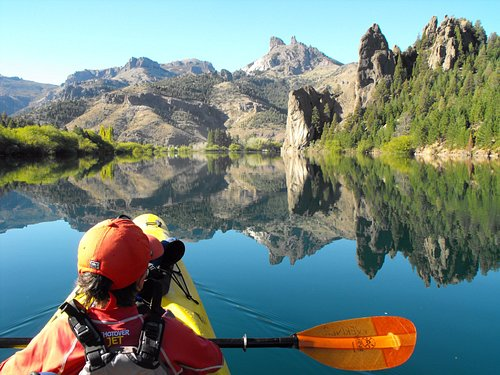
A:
185	309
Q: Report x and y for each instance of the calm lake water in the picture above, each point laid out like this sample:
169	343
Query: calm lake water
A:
276	246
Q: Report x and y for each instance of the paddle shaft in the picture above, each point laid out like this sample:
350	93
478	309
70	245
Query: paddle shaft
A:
244	342
271	342
14	342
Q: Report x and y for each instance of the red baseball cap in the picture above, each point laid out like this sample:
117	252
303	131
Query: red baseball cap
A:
117	249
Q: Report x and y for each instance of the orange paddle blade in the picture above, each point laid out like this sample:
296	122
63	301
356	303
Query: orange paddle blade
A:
373	343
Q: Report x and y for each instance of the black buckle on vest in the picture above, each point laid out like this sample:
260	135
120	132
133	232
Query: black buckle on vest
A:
94	357
148	352
82	332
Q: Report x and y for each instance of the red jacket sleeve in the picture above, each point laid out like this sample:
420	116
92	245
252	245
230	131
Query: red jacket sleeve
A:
184	349
54	349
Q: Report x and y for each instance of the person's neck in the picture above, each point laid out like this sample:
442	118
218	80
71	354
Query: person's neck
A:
101	304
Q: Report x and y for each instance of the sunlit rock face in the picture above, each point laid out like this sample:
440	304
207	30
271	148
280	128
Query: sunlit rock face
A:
446	41
301	128
376	61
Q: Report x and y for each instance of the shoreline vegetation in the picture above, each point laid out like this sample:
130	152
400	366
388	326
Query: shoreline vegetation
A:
28	142
19	140
221	141
32	142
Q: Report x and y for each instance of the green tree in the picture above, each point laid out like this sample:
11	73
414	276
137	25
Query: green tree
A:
210	138
106	133
316	121
399	75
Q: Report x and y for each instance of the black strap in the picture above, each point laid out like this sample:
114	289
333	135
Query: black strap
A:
148	351
86	333
178	278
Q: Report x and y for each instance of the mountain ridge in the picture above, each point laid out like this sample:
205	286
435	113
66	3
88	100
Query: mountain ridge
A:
141	70
91	83
144	105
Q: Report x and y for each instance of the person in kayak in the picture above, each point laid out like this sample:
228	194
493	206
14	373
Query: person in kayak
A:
113	257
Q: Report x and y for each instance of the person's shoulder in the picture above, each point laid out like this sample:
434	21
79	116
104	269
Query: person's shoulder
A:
114	314
58	323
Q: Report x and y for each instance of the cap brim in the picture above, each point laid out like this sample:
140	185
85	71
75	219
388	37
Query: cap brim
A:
155	246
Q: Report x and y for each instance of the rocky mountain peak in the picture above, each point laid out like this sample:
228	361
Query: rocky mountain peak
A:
141	62
189	66
375	29
91	74
372	41
429	31
448	40
376	61
275	42
288	60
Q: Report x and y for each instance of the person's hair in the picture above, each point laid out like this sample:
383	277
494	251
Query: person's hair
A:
96	288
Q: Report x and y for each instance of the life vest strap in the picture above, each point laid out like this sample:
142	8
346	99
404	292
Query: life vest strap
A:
97	355
86	333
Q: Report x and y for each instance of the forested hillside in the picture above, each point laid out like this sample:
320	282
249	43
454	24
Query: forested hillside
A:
456	108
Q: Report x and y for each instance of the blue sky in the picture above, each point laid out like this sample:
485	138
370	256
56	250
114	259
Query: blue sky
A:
46	40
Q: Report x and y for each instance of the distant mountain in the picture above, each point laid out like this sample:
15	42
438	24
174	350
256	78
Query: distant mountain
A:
188	66
288	60
93	83
82	87
17	93
179	102
141	70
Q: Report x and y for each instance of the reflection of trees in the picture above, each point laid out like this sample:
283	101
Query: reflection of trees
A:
445	220
218	164
132	188
34	172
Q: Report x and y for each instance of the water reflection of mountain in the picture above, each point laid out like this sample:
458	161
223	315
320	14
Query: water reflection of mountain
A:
445	221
